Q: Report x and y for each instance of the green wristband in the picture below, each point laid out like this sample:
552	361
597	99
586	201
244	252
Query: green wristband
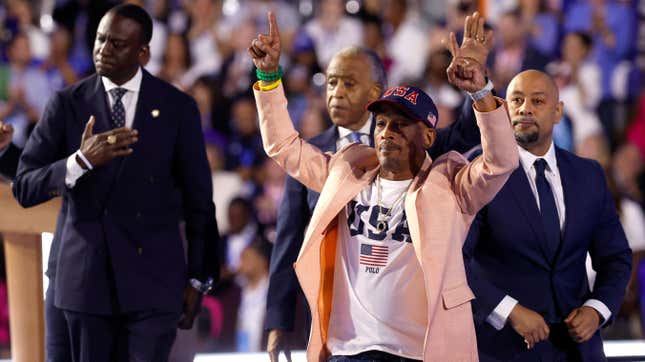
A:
269	77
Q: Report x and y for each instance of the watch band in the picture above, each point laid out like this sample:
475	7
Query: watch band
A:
475	96
202	287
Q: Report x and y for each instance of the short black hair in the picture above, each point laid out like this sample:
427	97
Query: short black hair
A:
585	38
138	15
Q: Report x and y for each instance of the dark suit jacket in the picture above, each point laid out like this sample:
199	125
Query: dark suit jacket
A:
117	246
9	161
298	203
506	254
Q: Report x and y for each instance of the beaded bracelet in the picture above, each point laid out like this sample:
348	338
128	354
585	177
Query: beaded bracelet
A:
271	86
269	77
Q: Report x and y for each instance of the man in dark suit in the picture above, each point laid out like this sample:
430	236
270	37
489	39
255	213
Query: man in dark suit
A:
525	253
355	77
9	153
128	177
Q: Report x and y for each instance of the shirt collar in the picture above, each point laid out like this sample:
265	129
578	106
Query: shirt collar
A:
133	85
343	132
527	159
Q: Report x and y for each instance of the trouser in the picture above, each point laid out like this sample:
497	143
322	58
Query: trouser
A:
145	336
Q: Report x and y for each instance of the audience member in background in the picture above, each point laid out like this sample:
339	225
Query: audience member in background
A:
244	153
202	37
176	60
406	39
272	178
314	121
253	274
23	12
332	30
242	230
26	90
374	38
227	184
255	12
202	92
612	26
448	99
60	71
579	82
513	53
159	34
543	27
236	72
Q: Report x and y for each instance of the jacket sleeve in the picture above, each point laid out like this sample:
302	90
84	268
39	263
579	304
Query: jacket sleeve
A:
194	180
9	161
281	141
478	182
293	216
611	256
42	168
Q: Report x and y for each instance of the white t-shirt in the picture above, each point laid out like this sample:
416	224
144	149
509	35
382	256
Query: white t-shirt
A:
379	300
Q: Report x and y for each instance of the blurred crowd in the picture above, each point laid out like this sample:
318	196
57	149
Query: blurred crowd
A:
200	46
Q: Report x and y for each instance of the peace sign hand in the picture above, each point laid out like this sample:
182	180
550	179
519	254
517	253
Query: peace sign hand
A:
265	49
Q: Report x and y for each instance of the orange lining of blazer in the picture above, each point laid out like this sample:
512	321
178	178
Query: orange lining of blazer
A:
327	261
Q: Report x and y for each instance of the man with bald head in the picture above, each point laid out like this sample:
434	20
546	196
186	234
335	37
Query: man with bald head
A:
525	253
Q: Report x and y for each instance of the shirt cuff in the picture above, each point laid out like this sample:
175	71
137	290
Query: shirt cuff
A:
500	314
601	308
74	171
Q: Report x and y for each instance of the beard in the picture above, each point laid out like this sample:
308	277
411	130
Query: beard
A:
528	136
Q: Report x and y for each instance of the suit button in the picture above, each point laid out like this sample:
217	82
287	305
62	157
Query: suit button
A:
139	250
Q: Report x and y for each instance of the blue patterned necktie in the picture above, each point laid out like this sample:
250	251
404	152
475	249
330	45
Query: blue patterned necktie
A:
548	208
118	111
355	136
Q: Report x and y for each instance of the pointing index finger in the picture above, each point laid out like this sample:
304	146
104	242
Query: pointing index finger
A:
273	25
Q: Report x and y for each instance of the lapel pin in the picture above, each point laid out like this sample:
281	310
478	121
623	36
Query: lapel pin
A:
155	113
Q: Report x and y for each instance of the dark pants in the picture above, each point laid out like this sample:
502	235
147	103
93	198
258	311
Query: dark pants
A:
135	337
57	345
371	356
559	347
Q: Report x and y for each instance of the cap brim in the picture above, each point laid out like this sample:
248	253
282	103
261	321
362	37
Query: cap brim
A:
374	105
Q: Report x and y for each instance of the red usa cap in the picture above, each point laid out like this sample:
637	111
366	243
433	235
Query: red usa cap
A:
412	101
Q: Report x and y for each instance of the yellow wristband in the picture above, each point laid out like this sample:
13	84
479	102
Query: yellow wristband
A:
271	86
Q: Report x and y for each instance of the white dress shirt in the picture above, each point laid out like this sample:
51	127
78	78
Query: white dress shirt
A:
344	134
500	314
129	100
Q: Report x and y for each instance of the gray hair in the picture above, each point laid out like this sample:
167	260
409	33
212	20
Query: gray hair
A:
377	69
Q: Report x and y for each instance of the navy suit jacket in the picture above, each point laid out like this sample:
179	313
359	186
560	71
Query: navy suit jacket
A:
506	254
298	203
9	161
118	246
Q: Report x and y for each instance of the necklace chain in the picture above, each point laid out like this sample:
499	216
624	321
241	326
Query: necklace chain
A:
382	224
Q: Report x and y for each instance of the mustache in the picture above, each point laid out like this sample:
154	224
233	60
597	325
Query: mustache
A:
388	145
524	119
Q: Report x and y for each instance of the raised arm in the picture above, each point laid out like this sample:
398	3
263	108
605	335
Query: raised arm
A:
478	182
281	141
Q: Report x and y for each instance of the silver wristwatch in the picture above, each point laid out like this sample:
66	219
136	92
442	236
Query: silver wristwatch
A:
202	287
475	96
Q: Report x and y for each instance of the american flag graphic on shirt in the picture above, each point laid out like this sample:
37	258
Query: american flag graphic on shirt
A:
373	255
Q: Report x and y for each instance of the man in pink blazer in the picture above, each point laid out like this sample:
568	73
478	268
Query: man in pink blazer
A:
381	264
